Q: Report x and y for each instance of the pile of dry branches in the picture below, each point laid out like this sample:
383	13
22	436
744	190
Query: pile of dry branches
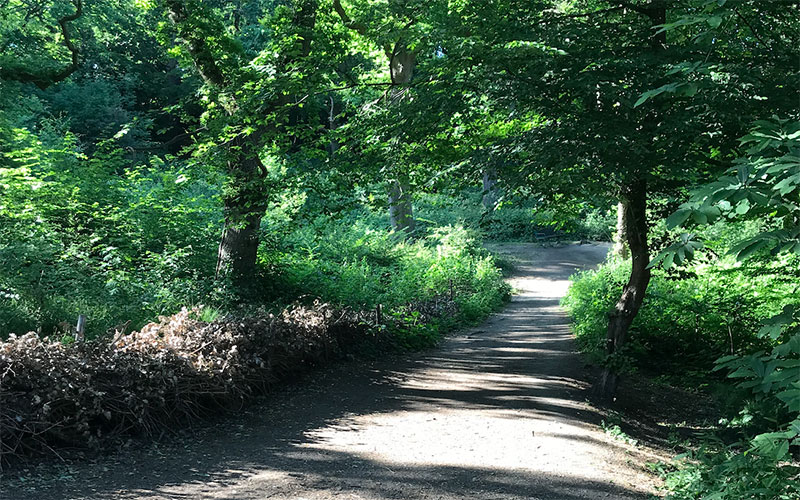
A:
55	395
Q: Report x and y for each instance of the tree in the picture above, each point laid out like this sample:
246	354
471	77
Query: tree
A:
401	61
247	110
730	53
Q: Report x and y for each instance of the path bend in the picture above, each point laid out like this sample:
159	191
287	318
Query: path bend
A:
496	412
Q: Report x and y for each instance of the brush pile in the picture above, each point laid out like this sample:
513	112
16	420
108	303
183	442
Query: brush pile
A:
59	396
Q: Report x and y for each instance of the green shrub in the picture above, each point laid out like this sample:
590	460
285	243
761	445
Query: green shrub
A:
688	319
349	263
123	241
123	244
514	220
717	472
715	315
98	237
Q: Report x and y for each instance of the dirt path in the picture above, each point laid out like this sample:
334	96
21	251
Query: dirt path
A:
496	412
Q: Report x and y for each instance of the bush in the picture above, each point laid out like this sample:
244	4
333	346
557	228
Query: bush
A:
515	220
715	314
99	237
689	318
352	264
124	244
728	473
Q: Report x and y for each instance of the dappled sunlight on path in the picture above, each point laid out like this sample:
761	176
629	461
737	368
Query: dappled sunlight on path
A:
496	412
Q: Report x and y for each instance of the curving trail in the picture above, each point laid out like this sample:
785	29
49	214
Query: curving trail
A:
496	412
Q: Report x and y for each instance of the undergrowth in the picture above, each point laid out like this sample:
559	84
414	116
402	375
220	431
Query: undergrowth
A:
517	220
728	328
123	245
689	318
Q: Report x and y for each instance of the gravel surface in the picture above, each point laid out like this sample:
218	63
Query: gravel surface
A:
496	412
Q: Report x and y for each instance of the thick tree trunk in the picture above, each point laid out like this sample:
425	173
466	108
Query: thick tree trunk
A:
238	247
402	63
243	209
245	196
401	210
620	238
490	194
634	200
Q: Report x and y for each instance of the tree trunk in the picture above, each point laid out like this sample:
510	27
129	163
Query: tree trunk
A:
401	66
490	188
401	70
243	209
634	200
401	210
620	244
333	111
245	195
238	247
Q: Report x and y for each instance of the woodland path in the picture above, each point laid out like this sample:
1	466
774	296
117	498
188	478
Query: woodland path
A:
496	412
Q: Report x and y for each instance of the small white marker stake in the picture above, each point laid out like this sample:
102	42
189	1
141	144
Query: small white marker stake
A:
80	328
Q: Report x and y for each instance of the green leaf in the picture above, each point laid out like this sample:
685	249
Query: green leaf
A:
669	260
771	331
678	217
742	372
791	398
774	445
742	207
641	100
790	347
748	249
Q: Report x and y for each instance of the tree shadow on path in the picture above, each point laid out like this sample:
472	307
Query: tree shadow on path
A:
496	412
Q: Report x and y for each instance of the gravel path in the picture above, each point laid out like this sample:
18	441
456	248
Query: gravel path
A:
496	412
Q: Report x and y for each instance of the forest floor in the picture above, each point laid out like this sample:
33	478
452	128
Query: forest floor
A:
495	412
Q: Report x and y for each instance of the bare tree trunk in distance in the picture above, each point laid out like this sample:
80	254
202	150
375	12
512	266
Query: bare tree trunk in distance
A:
333	146
490	194
620	243
401	70
402	62
401	212
634	200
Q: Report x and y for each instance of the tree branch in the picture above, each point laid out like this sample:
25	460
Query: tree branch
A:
45	79
584	14
349	23
343	87
196	44
636	8
752	30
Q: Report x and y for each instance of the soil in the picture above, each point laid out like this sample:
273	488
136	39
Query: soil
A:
495	412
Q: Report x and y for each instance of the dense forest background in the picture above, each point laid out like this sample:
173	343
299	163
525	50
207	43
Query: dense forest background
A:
238	157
